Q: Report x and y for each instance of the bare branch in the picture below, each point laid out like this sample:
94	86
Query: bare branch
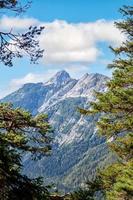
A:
15	5
16	45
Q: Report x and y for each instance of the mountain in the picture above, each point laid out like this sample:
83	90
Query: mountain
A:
32	95
77	149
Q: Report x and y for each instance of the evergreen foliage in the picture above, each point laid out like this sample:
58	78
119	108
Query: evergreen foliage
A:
19	133
116	123
92	190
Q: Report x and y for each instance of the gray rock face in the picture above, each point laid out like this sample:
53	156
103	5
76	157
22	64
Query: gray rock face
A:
77	149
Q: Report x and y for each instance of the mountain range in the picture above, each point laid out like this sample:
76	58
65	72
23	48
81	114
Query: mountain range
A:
77	149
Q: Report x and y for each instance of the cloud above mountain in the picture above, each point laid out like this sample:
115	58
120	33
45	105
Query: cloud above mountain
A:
77	43
69	46
66	43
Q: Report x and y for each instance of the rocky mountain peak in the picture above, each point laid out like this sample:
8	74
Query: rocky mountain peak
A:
76	146
84	76
60	78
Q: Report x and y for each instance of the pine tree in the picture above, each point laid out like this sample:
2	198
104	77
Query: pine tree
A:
19	133
92	188
116	108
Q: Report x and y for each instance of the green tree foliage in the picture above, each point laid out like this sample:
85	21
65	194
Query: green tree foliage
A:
20	133
116	123
117	181
92	189
80	195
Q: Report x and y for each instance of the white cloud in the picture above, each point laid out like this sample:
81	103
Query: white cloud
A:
69	42
17	23
77	43
74	45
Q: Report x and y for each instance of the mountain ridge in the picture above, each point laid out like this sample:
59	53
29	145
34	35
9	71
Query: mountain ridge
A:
75	136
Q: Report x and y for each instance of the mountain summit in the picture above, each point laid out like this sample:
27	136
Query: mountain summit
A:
77	149
59	78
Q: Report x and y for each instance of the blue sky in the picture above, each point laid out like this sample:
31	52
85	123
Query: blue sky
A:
76	38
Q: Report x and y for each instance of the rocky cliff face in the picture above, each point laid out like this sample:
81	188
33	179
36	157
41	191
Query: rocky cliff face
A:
77	149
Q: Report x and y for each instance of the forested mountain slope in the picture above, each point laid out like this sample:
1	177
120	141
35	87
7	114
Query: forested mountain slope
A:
77	149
